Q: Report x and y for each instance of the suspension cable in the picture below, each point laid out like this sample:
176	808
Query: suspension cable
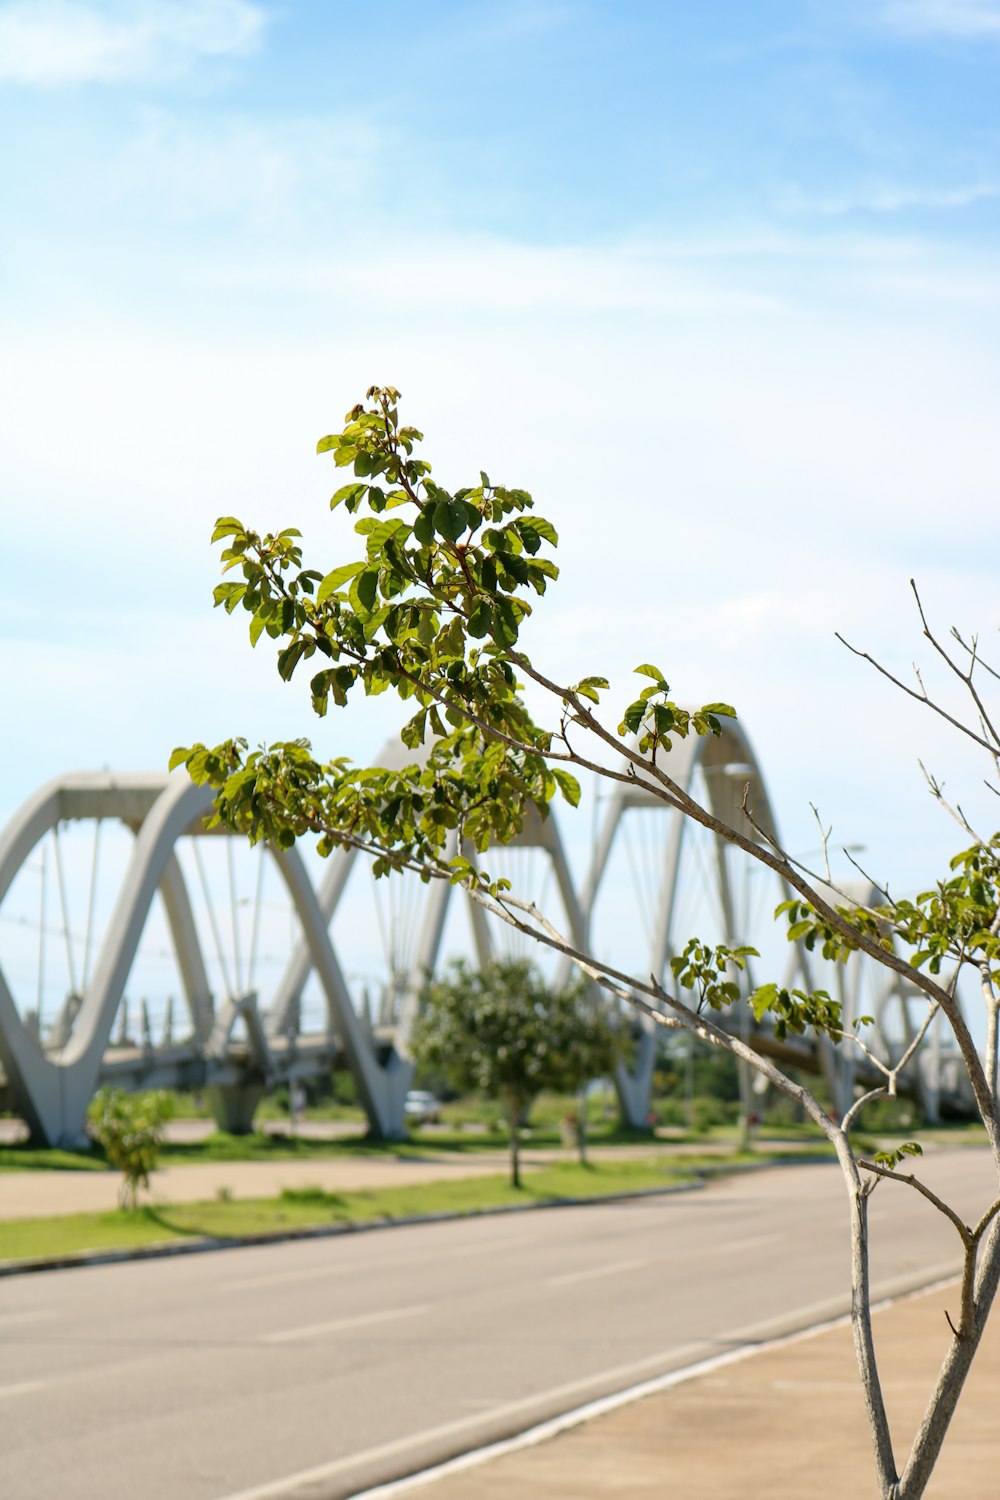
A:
233	913
41	941
90	907
230	992
65	911
255	923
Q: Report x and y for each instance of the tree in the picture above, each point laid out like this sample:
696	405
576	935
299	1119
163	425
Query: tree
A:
502	1030
129	1130
433	611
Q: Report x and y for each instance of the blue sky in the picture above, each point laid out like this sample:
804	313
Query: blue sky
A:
719	282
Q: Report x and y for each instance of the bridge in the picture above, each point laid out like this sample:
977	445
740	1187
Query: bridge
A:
241	1033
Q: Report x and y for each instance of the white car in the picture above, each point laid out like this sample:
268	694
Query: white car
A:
422	1108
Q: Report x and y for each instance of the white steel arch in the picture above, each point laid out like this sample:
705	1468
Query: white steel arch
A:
731	772
52	1086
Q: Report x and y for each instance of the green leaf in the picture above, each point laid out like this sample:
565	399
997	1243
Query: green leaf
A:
364	591
423	527
568	785
226	526
646	670
349	494
480	618
449	518
504	623
335	580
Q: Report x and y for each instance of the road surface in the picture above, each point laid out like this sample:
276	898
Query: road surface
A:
350	1360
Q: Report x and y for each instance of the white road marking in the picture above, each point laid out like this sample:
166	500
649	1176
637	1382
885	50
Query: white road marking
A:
316	1273
618	1269
735	1247
279	1489
275	1278
26	1388
339	1325
544	1431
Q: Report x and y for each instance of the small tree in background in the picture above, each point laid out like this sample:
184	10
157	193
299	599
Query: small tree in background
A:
501	1029
129	1130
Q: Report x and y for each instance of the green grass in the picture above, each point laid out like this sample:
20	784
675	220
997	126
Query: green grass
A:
307	1207
26	1158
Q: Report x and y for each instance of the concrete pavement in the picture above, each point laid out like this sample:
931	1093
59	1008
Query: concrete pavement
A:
38	1194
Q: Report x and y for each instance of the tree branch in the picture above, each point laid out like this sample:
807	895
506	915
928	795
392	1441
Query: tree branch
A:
965	1233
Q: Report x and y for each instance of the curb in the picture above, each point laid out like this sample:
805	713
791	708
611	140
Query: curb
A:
205	1244
554	1427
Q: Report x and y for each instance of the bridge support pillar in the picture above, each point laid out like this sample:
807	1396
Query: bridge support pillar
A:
234	1105
634	1086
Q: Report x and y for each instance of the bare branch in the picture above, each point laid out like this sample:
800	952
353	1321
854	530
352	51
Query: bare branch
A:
965	677
848	1121
973	652
914	1182
824	837
986	1220
918	697
936	789
870	878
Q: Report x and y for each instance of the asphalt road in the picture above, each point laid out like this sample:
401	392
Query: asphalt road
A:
315	1369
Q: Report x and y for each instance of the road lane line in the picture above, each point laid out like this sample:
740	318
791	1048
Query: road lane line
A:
276	1278
316	1273
544	1431
618	1269
730	1247
279	1489
339	1325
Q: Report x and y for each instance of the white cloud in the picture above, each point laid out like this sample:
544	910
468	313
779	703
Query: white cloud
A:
950	18
262	172
887	198
59	41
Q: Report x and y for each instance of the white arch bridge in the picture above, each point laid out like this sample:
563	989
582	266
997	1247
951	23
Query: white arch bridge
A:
654	880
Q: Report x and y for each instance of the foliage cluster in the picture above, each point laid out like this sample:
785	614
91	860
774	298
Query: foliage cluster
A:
129	1130
503	1031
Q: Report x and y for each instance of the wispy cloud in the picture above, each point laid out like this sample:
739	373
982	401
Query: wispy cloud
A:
887	198
261	173
954	18
53	42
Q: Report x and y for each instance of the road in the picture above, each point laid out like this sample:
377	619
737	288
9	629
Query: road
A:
351	1360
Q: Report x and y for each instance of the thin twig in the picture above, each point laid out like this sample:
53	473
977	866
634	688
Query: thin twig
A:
965	677
914	1182
824	837
919	697
859	1104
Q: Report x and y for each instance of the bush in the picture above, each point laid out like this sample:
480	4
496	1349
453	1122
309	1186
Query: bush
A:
129	1130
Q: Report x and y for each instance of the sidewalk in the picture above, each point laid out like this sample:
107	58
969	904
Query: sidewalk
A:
37	1194
780	1425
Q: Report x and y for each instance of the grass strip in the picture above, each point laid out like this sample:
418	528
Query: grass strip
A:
307	1207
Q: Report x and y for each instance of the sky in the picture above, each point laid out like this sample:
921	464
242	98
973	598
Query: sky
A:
718	283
